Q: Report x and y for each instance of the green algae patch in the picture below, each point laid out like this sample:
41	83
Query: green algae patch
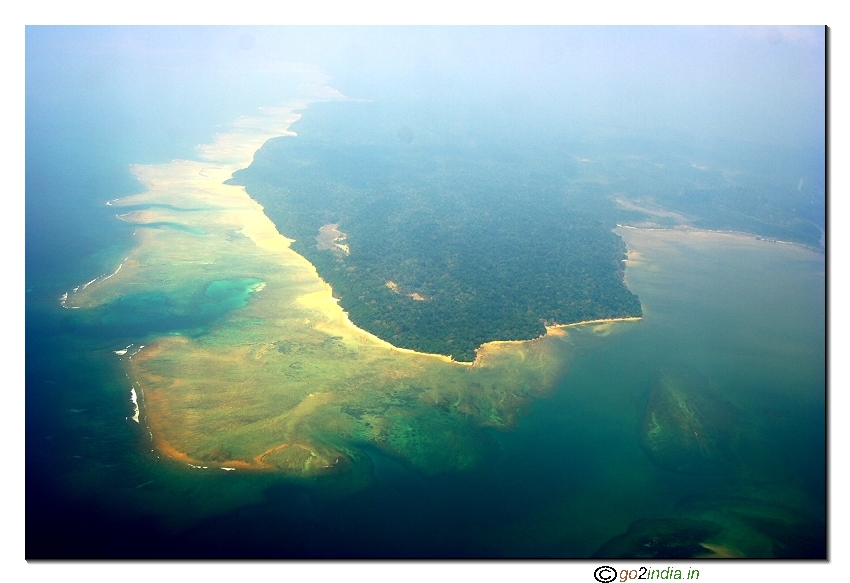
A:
668	538
687	428
228	294
251	395
752	523
278	379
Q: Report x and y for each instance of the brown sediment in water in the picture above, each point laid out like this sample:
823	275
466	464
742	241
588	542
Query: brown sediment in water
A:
719	552
553	331
593	322
288	383
172	453
689	234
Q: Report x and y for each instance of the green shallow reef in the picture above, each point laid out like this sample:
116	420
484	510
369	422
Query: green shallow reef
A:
746	524
696	431
242	359
687	428
669	538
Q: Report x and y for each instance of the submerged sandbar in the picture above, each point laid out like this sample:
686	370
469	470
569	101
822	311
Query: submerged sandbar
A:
285	381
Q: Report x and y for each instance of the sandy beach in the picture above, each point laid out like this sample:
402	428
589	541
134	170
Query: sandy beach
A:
242	396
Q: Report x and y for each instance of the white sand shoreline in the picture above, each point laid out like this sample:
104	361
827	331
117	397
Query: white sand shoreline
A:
742	234
216	163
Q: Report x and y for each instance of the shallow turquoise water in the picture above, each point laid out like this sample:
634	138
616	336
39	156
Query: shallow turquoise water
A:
743	324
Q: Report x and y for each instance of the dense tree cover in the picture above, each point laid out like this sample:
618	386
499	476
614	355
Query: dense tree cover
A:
504	229
498	240
774	191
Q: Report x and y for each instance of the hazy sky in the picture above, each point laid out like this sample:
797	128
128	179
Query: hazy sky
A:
751	83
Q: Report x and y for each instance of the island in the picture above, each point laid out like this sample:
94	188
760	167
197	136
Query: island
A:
440	247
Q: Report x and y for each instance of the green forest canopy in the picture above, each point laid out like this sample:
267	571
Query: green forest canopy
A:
451	242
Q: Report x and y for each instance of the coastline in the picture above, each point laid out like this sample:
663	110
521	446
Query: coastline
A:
559	330
600	321
740	234
225	234
293	341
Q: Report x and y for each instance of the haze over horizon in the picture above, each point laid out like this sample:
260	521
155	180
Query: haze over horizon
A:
752	84
510	292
